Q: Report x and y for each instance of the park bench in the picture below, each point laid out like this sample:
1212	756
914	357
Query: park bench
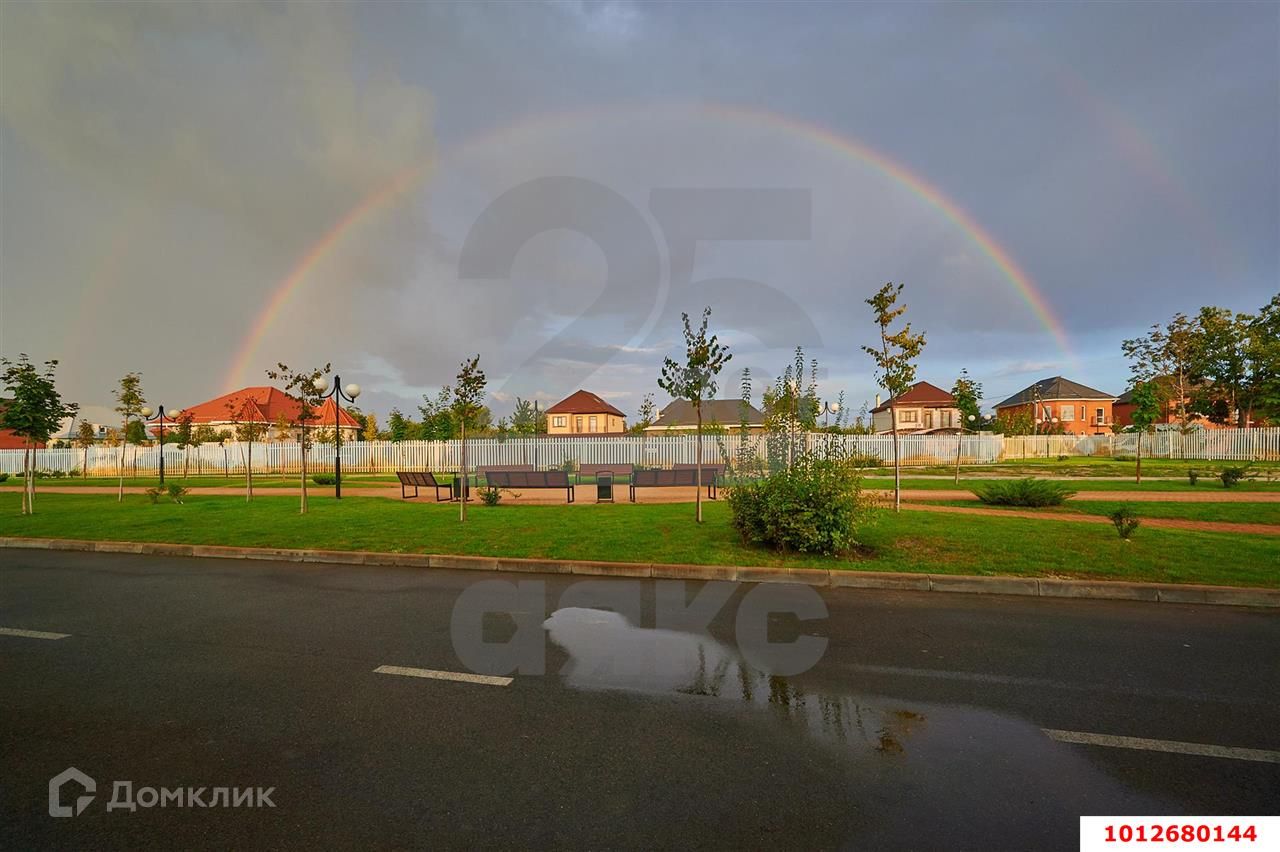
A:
618	470
677	477
423	479
529	479
502	468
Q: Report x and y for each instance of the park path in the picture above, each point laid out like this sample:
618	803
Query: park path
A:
1167	523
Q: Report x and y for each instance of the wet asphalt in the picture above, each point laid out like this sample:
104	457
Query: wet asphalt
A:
921	726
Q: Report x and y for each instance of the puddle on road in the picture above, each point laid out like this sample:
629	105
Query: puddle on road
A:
902	754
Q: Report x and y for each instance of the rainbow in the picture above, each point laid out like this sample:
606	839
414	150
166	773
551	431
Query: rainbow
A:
399	185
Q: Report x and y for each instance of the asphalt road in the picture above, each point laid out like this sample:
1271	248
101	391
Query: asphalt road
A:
921	726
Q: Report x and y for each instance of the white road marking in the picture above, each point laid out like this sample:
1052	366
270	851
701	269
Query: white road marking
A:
1257	755
461	677
31	634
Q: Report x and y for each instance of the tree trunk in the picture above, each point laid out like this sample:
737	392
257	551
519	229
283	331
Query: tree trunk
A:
463	488
302	446
1139	457
697	475
897	468
27	476
248	494
959	442
226	463
31	483
124	446
84	471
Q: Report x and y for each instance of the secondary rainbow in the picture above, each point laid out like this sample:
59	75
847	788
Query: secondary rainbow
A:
399	186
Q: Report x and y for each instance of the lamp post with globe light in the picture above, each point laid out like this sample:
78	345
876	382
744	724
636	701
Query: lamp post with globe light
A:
338	394
830	408
973	420
146	413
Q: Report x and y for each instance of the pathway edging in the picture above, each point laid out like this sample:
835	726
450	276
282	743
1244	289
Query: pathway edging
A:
955	583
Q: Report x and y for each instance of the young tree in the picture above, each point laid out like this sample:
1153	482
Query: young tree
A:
242	412
895	364
466	402
695	381
33	412
283	435
644	416
129	403
183	438
526	420
302	385
1147	405
1232	380
1264	353
397	426
85	438
438	422
967	392
1171	354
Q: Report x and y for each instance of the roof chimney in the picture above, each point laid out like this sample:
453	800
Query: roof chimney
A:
877	400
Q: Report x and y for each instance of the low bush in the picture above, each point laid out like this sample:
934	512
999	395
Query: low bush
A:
323	479
1063	457
865	460
176	492
1193	476
1230	476
3	477
491	495
1126	521
1030	492
816	506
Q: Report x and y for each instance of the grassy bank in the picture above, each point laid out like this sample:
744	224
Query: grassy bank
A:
912	541
1235	513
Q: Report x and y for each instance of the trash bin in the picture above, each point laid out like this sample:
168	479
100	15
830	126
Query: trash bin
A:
604	486
461	488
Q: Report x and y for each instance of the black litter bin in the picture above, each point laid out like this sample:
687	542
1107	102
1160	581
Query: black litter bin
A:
604	486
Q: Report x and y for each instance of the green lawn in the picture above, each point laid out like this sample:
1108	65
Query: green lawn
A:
1102	466
912	541
1236	513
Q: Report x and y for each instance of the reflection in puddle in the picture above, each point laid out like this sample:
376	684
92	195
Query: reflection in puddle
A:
607	652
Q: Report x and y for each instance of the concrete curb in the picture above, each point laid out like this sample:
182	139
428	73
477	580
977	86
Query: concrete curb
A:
1022	586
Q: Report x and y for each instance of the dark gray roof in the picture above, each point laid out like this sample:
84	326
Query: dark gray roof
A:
1054	388
726	412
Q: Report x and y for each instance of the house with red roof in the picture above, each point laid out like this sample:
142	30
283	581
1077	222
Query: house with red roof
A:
264	405
584	413
923	408
1061	405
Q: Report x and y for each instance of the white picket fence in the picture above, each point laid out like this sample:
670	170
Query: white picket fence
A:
652	451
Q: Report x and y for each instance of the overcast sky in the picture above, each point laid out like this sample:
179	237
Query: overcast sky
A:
551	184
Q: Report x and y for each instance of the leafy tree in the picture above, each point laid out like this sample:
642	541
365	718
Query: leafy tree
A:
465	403
301	385
242	412
967	392
437	417
1014	423
528	420
206	434
1264	352
370	431
1147	405
129	403
1233	381
1173	354
33	412
398	428
86	437
283	434
895	363
695	381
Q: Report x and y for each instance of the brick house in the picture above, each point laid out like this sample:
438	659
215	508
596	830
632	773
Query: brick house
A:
1059	404
264	405
923	408
584	413
727	414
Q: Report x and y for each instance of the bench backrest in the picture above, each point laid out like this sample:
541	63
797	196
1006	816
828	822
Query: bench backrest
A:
417	478
615	469
503	468
680	476
717	469
527	478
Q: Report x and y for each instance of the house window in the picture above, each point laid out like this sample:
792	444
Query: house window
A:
909	415
1102	418
1068	413
577	423
558	421
592	424
946	419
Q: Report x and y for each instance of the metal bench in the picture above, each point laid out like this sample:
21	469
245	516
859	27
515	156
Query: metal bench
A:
618	470
503	468
677	477
423	479
529	479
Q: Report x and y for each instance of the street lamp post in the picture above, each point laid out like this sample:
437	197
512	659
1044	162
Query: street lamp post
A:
973	418
339	395
829	408
159	419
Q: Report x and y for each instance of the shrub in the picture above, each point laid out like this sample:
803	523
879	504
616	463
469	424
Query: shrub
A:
1126	521
1193	476
153	494
3	477
865	460
491	495
176	492
1035	493
814	507
1232	475
323	479
1063	457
